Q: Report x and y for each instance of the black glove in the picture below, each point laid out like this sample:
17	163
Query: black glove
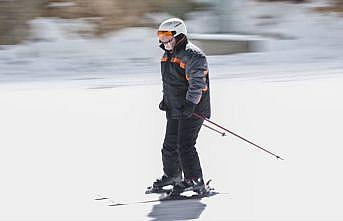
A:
188	109
163	106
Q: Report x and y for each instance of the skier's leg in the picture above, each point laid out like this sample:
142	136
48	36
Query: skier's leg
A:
188	131
170	155
170	158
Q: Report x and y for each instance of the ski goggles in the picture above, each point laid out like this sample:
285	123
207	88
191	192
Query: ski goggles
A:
162	34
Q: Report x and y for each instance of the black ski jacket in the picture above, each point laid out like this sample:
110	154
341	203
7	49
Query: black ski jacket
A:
185	76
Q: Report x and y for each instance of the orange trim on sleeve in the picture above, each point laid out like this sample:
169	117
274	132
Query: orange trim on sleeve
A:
187	77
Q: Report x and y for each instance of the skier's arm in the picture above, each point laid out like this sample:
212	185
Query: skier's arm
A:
196	72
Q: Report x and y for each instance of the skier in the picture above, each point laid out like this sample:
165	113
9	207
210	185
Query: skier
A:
185	80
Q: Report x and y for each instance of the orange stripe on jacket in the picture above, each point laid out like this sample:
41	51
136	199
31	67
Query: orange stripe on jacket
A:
179	62
176	60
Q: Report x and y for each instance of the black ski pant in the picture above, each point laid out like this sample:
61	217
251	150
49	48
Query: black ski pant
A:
178	152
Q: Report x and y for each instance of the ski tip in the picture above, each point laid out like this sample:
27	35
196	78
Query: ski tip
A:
100	197
117	204
103	198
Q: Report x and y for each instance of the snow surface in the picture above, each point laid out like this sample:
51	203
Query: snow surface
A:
79	118
62	147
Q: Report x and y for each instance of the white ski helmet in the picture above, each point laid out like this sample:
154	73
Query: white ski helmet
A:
174	25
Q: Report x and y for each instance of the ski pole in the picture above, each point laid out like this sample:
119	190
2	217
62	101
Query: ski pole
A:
223	128
211	128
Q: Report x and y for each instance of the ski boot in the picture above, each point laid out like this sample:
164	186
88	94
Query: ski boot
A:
157	186
196	185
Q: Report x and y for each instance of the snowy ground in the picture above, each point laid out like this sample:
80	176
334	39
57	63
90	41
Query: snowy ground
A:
79	118
60	148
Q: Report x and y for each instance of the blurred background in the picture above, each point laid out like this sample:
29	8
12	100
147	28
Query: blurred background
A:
111	15
276	77
94	40
104	15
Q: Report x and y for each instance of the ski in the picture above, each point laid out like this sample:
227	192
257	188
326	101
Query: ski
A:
165	196
100	197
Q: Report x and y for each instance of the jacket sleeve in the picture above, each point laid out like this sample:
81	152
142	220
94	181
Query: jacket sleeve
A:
196	72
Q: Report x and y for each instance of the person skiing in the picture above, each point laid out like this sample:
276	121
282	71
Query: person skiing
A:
185	78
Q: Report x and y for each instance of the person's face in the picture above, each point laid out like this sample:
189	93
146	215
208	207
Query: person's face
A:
167	40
